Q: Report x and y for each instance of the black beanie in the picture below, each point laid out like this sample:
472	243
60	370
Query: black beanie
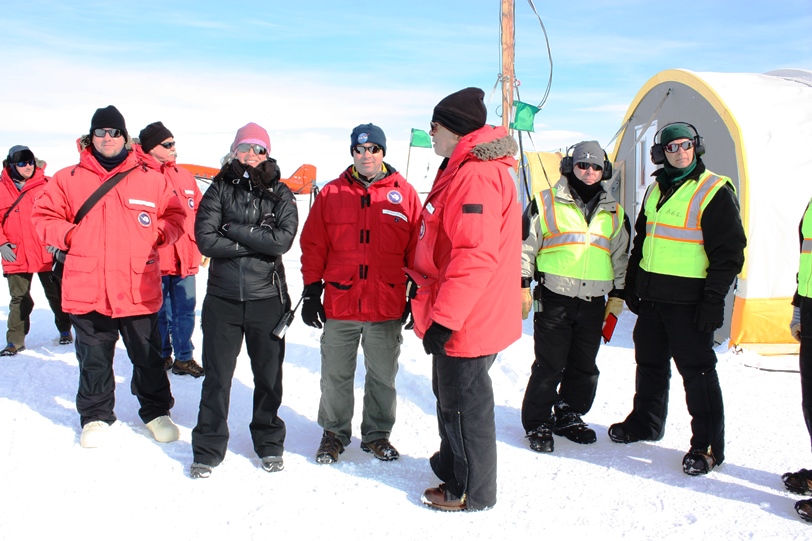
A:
108	117
462	112
153	135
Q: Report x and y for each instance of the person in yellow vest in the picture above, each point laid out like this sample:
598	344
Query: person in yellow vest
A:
800	326
576	245
687	250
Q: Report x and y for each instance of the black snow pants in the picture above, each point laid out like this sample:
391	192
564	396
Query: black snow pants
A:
805	360
663	331
96	337
225	322
466	461
567	334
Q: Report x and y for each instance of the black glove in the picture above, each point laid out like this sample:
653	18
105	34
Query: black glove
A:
223	231
710	314
268	220
435	339
407	316
411	288
632	302
312	308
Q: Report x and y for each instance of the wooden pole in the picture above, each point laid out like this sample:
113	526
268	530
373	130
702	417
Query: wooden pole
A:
408	158
508	55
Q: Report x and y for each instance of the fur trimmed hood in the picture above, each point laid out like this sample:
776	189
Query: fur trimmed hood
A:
495	149
488	144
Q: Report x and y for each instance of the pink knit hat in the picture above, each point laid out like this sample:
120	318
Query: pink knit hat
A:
252	133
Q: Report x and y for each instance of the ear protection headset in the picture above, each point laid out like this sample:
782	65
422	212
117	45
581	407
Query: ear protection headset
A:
658	150
567	164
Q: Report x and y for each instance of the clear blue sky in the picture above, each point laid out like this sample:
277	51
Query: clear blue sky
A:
310	71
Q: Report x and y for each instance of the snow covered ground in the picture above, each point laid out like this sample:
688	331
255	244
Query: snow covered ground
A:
136	488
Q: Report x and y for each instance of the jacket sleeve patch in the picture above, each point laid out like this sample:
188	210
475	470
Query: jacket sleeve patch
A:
472	209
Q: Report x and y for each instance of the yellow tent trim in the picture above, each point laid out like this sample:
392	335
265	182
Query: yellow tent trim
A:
540	162
767	321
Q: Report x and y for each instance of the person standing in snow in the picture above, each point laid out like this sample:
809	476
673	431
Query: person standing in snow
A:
180	262
246	221
800	482
577	244
467	307
112	277
357	239
688	248
23	253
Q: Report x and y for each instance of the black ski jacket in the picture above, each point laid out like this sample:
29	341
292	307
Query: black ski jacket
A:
246	220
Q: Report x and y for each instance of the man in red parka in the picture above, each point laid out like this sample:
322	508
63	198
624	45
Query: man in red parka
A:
22	251
357	239
468	305
112	276
180	262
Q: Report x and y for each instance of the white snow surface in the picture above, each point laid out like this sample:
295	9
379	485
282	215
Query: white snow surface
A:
136	488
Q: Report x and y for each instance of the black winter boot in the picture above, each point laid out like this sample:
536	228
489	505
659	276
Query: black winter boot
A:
541	439
568	423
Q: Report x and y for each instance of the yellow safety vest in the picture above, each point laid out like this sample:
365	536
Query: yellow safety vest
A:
570	246
805	269
674	244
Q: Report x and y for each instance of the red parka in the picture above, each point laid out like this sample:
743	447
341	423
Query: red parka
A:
468	255
112	266
181	258
17	229
358	239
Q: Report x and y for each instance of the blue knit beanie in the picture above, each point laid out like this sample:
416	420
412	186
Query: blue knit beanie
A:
368	133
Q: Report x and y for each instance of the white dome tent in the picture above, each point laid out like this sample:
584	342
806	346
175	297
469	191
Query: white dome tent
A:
758	131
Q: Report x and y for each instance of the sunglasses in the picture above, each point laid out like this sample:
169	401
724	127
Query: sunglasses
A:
259	150
586	166
25	163
673	147
99	132
374	149
168	145
433	126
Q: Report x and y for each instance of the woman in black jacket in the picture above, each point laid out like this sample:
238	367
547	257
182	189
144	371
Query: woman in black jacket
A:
246	221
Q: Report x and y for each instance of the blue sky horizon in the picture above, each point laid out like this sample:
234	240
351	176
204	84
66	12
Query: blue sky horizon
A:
311	71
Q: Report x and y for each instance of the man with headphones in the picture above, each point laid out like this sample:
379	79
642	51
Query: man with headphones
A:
576	245
688	248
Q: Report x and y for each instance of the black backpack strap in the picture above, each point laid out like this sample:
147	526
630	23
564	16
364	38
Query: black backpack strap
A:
14	204
98	194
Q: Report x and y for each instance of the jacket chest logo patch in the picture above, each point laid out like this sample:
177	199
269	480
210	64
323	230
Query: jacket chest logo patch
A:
144	219
422	228
394	197
191	203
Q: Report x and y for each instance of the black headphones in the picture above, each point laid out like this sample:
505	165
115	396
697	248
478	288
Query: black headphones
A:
658	150
567	164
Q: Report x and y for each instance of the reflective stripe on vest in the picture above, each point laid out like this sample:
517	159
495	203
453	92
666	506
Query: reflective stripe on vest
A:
805	266
674	244
571	247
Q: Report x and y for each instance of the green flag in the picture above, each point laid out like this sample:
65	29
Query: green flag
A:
420	139
525	116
